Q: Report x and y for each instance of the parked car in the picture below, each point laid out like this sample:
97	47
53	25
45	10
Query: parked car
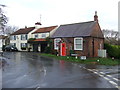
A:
10	48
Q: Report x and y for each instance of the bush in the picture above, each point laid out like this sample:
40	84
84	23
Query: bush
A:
47	50
72	52
23	48
49	47
113	50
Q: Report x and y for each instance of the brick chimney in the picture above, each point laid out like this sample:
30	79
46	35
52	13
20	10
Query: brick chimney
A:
95	16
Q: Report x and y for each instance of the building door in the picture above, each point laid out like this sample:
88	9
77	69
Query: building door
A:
93	48
43	47
63	49
35	47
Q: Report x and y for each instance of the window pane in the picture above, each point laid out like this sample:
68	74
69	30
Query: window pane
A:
78	46
56	42
11	38
23	44
36	36
15	44
14	37
43	35
23	37
78	41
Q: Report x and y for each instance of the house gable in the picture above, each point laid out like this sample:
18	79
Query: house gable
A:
96	32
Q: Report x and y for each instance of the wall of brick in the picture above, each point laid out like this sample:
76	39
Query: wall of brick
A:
90	46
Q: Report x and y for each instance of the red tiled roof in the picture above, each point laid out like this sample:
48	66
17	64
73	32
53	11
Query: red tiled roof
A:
40	40
45	29
23	31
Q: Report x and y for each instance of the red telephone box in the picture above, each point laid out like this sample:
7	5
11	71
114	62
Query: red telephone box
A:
63	49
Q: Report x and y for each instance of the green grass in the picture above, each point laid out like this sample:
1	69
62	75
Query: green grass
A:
102	61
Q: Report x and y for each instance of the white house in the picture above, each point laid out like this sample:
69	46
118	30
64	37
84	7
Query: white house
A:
39	43
21	37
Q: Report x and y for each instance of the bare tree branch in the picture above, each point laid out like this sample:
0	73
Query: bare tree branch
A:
3	19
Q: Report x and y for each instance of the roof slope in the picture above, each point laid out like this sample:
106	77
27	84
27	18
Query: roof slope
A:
23	31
45	29
3	37
75	30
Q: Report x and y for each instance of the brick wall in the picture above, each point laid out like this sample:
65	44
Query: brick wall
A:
90	46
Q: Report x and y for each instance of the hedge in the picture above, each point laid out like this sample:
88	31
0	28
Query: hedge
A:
113	50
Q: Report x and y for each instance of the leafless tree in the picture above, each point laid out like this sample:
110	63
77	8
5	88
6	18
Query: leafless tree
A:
10	29
111	36
3	19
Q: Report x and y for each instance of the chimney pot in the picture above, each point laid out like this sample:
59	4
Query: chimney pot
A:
95	16
38	23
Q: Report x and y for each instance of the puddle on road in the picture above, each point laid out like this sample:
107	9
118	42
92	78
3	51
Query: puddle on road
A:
3	63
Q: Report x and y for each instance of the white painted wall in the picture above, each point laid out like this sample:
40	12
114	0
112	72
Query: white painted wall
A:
18	40
30	35
53	31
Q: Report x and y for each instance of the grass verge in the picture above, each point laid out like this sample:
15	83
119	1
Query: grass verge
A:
99	61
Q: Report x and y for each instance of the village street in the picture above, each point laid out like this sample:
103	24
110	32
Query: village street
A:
30	70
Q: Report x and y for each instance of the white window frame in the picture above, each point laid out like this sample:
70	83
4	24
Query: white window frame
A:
24	37
23	45
43	35
13	37
79	43
56	40
36	35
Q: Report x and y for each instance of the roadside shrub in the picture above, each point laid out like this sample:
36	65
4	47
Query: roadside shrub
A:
113	50
47	50
23	48
54	52
49	47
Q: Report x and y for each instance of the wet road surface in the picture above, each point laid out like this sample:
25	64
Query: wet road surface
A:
30	70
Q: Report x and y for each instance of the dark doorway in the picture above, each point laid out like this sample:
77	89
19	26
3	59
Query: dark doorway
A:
93	47
35	47
43	46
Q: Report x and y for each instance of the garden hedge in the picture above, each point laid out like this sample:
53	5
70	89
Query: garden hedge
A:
113	50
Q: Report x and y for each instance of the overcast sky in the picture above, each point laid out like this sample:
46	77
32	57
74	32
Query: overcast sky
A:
55	12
